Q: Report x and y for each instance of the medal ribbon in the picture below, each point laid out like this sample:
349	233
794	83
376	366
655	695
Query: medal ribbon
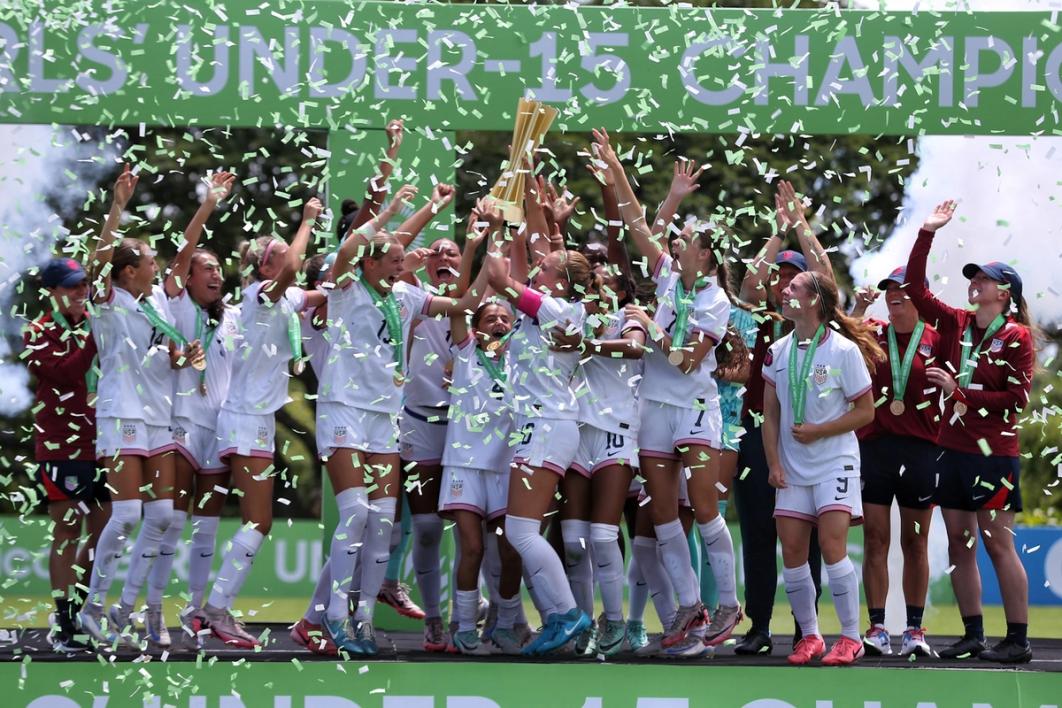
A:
204	341
389	306
160	324
683	300
495	367
901	373
969	358
798	385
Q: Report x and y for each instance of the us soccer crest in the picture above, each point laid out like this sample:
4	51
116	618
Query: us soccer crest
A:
822	373
340	434
996	346
925	350
263	435
129	432
180	435
457	486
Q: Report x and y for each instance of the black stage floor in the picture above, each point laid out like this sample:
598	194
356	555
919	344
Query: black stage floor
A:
406	646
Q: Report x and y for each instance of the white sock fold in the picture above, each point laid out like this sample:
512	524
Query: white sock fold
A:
467	609
675	554
608	566
201	555
800	589
235	567
375	554
844	586
347	542
578	565
158	515
125	515
541	563
162	568
719	548
427	538
508	610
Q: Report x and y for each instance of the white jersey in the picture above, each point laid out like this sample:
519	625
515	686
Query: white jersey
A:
607	386
481	423
361	363
136	380
838	376
541	377
429	357
709	314
314	343
188	401
260	370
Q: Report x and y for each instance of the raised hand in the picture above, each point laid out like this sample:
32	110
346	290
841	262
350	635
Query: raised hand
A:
415	259
789	203
601	172
563	208
604	149
312	209
404	194
395	132
780	214
864	298
441	196
684	182
124	187
941	215
220	187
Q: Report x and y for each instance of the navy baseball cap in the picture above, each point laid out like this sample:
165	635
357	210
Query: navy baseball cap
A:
793	258
62	273
898	276
1000	272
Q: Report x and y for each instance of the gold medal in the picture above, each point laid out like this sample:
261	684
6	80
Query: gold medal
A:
399	379
675	357
960	408
897	407
493	345
199	364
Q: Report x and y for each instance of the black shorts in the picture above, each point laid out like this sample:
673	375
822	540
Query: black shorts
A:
74	480
971	482
899	466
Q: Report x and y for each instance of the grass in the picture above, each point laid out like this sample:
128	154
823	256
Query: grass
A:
940	620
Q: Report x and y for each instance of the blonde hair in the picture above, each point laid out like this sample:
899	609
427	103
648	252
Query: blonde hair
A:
252	256
579	273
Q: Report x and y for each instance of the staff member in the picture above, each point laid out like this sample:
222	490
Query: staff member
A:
985	378
60	353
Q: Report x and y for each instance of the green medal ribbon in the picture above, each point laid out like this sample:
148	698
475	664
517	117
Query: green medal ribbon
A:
901	373
494	367
389	306
92	376
683	300
969	358
160	324
295	340
798	385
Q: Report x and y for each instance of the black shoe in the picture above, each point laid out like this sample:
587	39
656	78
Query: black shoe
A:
755	642
1008	651
965	648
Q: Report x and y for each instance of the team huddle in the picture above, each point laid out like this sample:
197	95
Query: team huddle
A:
535	397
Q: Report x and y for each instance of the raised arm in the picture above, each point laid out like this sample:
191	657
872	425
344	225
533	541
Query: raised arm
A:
376	190
617	252
441	196
219	188
933	310
757	275
538	232
813	251
356	242
482	223
293	264
683	184
648	245
100	261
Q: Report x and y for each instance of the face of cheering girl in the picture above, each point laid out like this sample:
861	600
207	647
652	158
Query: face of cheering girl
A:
137	276
901	310
779	280
443	265
800	302
987	294
205	279
277	254
385	266
692	252
71	300
493	321
552	276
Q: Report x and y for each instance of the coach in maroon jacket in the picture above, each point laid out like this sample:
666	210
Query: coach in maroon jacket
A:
60	354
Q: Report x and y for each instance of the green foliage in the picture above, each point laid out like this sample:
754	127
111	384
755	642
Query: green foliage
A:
1041	445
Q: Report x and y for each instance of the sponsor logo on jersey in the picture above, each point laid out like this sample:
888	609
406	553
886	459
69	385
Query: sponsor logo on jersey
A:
70	483
128	432
996	346
822	373
769	359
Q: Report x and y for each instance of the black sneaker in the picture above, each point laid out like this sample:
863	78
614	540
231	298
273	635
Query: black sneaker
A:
755	642
1008	651
965	648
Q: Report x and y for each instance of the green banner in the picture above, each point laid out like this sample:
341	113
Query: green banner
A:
326	64
497	685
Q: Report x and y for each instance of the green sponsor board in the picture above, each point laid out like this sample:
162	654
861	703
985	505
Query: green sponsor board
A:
327	64
496	685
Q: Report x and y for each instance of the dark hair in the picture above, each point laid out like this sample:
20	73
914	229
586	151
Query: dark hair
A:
312	270
348	211
623	282
851	328
216	309
477	316
127	252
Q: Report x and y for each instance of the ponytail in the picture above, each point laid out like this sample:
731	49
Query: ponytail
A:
855	330
251	253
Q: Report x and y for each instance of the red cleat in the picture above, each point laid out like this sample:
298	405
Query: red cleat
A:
807	649
313	637
396	595
846	651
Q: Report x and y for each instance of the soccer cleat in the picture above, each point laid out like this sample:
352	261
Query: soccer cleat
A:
342	637
194	628
545	635
568	626
845	651
397	596
877	641
96	624
122	621
722	625
228	629
914	643
807	649
155	628
508	641
64	642
586	642
965	648
365	635
315	638
610	635
693	647
651	648
467	642
755	642
1008	651
636	636
688	617
434	635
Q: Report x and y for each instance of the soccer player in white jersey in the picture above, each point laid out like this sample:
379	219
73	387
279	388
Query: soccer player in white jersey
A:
818	394
269	337
595	489
369	317
680	417
546	413
134	402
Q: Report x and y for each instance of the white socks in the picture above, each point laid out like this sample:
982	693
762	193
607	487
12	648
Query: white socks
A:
844	585
541	563
577	562
800	589
158	515
675	555
467	609
719	548
201	555
638	592
375	554
509	611
125	515
608	562
347	542
647	551
235	567
427	537
492	566
159	576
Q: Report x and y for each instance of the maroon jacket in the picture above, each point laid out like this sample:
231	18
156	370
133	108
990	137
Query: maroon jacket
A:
65	423
1001	381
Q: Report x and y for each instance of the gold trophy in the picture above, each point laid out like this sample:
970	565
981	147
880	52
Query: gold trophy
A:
533	119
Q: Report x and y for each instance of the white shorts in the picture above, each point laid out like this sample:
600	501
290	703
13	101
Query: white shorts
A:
808	502
546	442
344	427
117	436
599	449
422	440
665	428
246	434
484	492
634	490
197	444
684	493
